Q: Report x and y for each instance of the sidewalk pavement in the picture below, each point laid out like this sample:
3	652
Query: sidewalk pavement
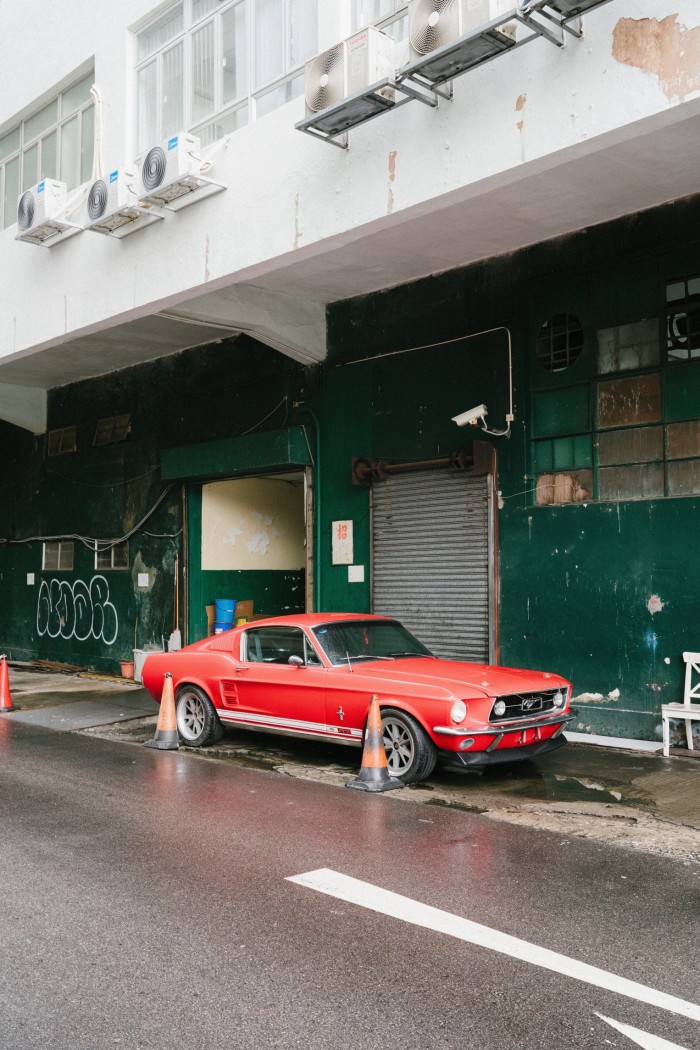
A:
614	790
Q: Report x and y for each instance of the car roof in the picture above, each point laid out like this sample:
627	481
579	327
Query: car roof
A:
314	619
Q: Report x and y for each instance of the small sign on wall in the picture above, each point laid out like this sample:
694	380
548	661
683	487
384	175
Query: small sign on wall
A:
342	553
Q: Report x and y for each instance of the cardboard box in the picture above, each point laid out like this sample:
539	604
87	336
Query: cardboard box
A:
244	610
211	615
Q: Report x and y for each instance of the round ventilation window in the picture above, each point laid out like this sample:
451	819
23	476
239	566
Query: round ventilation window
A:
559	342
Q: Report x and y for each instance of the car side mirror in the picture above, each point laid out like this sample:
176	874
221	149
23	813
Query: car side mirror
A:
295	661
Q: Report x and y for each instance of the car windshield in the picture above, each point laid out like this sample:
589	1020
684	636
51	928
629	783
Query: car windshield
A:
367	640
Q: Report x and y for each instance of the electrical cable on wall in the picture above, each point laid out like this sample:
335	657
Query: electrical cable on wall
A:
92	542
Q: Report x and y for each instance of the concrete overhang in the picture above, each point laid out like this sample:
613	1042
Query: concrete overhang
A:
282	301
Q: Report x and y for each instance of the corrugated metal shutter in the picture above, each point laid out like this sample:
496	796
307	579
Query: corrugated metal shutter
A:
430	559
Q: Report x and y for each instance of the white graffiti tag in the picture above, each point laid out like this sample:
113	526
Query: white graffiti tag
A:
79	610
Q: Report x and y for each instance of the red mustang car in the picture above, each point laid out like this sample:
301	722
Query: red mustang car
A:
313	676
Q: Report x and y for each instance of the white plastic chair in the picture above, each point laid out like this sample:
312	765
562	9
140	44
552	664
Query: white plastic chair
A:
689	710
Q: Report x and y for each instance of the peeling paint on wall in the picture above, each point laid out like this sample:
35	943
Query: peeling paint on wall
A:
520	125
655	604
668	49
392	179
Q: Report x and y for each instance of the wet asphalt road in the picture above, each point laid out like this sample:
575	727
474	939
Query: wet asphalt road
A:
145	904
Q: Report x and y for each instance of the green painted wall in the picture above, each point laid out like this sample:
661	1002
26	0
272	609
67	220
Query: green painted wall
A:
207	394
603	592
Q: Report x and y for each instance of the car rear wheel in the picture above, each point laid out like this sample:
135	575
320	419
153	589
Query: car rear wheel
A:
410	753
197	722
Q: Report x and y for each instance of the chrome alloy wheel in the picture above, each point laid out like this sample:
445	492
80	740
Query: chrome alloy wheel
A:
399	745
190	716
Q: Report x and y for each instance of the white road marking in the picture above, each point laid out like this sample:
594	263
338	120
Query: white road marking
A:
355	891
643	1039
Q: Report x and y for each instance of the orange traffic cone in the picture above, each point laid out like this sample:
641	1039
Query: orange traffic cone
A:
5	698
374	773
166	738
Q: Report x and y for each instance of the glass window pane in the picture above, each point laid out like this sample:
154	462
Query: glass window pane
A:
65	555
69	171
42	120
9	143
233	29
645	481
684	478
223	126
628	346
49	157
147	89
173	89
200	8
30	167
11	192
675	291
87	143
373	10
76	96
303	31
279	95
269	41
50	555
203	72
694	286
629	401
159	33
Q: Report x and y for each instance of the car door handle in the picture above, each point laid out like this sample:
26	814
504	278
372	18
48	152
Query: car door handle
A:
239	669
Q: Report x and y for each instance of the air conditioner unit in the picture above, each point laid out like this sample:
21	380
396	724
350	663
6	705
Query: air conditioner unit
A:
171	175
339	80
111	205
41	217
447	37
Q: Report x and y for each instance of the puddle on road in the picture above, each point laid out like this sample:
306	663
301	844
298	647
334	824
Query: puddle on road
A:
531	782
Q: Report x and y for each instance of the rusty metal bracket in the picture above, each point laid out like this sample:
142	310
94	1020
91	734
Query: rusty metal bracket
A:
366	469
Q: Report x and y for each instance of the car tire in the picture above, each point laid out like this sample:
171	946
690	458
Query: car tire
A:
410	753
197	722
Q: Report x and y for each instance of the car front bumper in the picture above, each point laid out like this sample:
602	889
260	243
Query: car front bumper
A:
481	759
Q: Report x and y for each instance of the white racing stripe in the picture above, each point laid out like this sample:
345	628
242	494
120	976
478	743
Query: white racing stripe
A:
364	894
644	1039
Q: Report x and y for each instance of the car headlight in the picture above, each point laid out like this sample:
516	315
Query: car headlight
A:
499	708
559	698
458	711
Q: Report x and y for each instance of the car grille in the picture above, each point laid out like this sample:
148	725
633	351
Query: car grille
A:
520	705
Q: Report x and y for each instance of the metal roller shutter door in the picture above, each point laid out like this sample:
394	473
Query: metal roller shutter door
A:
430	559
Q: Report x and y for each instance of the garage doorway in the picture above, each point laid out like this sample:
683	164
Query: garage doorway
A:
251	543
433	559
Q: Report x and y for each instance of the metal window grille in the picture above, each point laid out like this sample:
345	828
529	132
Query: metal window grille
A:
112	429
62	440
56	141
223	63
559	342
115	556
58	555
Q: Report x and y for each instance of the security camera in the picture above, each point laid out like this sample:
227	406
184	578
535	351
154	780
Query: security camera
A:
472	415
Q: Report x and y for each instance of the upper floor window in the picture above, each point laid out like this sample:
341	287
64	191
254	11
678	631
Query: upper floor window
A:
58	555
210	66
388	15
55	142
113	556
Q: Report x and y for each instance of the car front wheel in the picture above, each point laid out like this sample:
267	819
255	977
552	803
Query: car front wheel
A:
410	753
197	722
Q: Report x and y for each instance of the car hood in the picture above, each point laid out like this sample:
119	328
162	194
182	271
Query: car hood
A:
441	677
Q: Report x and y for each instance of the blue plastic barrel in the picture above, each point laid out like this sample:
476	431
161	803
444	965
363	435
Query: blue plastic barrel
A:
219	628
225	610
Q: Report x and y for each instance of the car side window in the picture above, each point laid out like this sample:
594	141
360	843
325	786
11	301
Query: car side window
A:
274	645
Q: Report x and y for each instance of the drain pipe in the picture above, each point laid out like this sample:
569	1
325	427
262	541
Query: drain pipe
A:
317	503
